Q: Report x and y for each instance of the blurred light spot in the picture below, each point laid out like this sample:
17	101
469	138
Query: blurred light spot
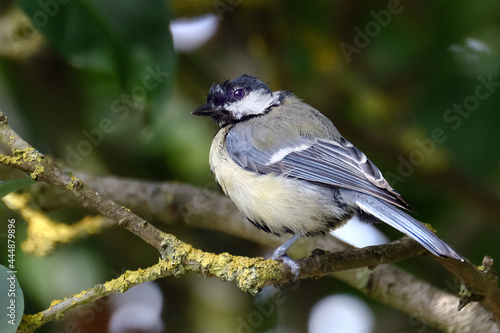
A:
359	234
470	50
190	34
476	45
137	310
341	313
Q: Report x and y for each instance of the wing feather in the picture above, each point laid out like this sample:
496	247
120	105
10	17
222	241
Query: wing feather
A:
326	162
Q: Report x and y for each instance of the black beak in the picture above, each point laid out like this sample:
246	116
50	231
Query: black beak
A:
204	110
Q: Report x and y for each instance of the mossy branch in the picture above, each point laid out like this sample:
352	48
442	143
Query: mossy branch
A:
252	274
59	308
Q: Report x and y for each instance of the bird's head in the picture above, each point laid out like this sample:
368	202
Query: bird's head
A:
232	101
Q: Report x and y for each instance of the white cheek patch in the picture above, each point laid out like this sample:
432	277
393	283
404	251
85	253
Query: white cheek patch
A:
256	102
283	152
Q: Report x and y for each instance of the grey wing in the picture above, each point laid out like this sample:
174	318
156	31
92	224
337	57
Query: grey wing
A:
325	162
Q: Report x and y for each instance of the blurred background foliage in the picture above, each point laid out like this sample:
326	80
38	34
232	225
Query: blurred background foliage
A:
98	86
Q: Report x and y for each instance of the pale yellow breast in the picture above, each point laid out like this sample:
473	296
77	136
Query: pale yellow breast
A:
278	201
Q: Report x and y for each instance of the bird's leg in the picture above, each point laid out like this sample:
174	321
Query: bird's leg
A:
280	254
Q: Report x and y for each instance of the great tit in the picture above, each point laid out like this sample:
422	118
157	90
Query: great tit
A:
289	170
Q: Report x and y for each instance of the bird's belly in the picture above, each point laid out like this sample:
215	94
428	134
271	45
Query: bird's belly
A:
278	204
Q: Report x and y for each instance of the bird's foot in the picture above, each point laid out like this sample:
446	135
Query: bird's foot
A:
281	255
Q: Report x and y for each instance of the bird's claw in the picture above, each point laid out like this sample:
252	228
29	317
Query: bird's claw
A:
284	258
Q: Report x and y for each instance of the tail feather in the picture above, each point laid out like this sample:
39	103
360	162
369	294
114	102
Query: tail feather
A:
407	225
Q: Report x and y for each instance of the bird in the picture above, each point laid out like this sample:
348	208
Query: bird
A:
290	172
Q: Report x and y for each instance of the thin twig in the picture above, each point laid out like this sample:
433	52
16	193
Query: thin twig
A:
250	274
59	308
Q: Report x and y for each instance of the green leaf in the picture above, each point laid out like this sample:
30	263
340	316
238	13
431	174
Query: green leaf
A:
14	185
11	300
128	41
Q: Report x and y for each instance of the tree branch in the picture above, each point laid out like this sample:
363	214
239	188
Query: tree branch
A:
59	308
251	274
25	158
202	208
44	234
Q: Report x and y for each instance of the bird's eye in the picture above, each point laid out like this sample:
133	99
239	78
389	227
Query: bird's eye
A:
239	93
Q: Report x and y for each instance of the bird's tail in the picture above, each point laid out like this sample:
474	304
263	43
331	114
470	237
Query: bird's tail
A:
407	225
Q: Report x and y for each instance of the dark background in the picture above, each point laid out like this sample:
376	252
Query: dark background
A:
403	81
